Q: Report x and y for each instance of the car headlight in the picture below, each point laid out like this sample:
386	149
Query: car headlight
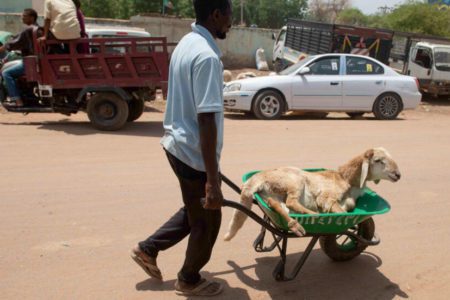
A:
232	87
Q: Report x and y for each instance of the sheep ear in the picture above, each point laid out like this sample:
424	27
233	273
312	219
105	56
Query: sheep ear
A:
364	172
377	181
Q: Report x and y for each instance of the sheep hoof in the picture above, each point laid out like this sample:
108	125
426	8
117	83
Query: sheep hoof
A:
296	228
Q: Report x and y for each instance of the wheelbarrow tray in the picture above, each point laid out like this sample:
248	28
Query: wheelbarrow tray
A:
367	205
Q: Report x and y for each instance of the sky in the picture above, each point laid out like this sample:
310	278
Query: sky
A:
371	6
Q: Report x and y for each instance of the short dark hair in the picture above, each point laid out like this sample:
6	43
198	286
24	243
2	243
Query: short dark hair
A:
31	12
204	8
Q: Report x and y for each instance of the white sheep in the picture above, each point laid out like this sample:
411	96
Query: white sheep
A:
227	76
244	75
292	189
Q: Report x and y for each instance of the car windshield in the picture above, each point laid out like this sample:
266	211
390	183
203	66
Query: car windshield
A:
296	66
442	59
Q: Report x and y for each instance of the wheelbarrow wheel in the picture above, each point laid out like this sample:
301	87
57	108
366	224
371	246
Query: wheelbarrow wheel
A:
342	247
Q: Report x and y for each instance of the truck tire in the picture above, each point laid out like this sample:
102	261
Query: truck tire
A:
107	111
136	109
387	106
268	105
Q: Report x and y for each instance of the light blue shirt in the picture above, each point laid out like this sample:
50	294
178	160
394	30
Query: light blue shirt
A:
195	86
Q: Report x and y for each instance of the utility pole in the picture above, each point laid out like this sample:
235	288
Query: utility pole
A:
385	9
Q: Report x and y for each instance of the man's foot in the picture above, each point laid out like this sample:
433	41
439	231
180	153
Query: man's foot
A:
203	288
13	103
147	263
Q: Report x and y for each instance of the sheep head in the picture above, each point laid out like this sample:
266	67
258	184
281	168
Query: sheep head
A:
378	165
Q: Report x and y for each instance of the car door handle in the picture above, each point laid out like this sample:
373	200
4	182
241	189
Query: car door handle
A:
379	82
334	83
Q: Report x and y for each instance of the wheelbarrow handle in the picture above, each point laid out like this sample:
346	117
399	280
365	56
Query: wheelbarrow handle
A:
230	183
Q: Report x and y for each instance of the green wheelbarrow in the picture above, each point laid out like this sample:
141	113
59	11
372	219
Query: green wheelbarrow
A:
342	236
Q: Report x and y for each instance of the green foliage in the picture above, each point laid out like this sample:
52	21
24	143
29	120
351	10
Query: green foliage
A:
413	16
421	18
99	8
352	16
269	13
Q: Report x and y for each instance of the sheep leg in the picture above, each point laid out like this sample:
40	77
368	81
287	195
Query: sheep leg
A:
336	208
294	226
293	204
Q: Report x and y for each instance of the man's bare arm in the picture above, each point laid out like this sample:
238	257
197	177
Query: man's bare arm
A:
208	143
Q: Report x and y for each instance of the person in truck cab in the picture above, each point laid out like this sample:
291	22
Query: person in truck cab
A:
23	42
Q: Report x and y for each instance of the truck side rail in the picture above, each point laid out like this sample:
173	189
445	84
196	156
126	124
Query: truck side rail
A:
124	62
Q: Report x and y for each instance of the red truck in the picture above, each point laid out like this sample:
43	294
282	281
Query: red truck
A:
110	80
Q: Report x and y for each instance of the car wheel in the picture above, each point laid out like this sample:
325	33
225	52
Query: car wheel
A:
268	105
387	106
107	111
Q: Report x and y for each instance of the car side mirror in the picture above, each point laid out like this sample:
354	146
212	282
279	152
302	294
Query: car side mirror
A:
304	71
274	36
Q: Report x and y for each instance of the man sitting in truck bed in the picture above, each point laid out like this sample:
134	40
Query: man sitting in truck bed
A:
24	43
61	23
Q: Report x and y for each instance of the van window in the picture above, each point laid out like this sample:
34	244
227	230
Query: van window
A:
282	36
423	58
442	59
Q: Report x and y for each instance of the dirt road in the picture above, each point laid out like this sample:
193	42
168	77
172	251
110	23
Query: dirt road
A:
75	200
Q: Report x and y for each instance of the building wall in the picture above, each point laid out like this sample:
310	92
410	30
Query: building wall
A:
14	6
238	49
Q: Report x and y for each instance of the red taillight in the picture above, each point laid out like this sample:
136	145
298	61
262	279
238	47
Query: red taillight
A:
417	83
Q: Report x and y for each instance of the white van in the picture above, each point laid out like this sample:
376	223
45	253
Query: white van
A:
430	63
110	32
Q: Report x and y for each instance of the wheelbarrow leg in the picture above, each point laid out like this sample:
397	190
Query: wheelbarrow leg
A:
258	244
279	271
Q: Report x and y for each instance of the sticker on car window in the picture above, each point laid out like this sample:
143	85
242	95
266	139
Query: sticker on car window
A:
369	68
334	66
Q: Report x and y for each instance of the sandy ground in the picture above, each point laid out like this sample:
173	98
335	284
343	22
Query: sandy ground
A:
75	200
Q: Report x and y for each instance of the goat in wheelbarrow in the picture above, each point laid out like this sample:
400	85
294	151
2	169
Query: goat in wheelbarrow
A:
291	189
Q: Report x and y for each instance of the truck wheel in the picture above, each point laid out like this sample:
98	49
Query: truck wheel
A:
387	106
136	109
268	105
342	247
107	111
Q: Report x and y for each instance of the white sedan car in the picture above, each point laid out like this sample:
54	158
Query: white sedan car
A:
330	82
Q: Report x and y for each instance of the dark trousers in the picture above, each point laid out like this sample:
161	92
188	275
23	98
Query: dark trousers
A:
200	224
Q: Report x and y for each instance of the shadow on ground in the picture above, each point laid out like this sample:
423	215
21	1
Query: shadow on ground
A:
320	278
147	128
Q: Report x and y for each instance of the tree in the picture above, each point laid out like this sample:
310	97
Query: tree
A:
327	10
352	16
146	6
99	8
419	17
269	13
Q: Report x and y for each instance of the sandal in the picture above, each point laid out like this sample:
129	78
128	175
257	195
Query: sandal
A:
149	267
204	288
